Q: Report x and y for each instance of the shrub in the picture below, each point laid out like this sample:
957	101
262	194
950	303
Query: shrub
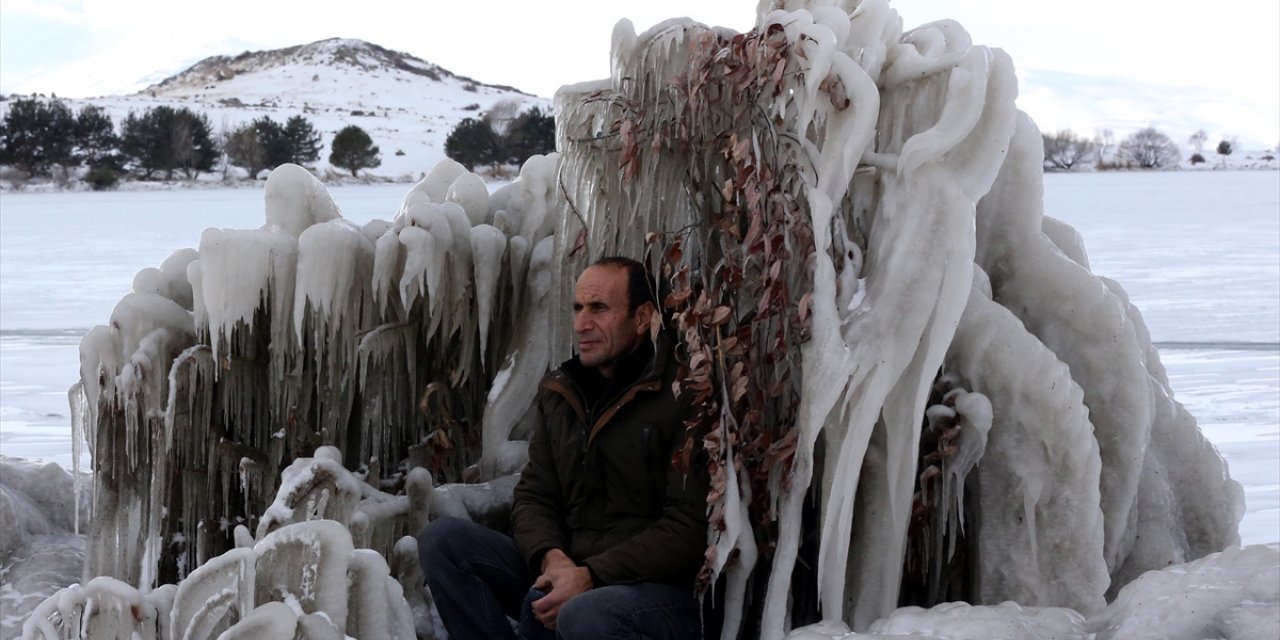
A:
102	178
1197	158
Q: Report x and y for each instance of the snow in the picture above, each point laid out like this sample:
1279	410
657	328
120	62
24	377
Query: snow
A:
1228	384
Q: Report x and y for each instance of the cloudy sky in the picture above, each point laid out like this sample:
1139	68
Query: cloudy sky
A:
1083	64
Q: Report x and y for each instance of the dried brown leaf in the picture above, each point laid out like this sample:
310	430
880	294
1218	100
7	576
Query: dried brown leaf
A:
676	298
805	301
720	315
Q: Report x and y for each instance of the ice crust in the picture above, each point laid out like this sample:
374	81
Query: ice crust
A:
324	384
304	574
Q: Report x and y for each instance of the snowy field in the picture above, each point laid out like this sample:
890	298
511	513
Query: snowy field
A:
1198	252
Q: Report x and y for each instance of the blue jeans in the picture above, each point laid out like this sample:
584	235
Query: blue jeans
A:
478	581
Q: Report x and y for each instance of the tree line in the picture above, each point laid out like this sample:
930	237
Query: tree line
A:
41	137
501	136
1145	149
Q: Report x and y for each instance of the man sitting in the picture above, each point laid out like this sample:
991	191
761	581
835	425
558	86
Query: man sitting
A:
609	532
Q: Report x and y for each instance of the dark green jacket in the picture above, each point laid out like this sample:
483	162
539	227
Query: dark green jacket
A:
600	485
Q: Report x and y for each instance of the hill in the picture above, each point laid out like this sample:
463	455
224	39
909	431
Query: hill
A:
406	104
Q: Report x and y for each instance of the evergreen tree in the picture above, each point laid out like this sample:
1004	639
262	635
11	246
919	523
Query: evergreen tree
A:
142	142
96	142
295	141
353	150
37	135
472	142
275	144
303	139
167	139
1225	147
531	133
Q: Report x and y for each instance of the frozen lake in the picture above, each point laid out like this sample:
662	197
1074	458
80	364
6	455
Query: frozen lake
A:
1198	252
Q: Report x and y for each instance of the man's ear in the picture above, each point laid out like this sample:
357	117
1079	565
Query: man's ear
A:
644	316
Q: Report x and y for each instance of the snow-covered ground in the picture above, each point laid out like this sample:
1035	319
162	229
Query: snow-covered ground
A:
1199	253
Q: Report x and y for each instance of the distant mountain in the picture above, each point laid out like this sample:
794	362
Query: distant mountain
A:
335	56
406	104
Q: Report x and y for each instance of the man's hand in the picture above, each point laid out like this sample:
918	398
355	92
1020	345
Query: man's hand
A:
562	579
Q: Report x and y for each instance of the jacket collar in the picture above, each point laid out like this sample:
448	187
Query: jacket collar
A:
651	360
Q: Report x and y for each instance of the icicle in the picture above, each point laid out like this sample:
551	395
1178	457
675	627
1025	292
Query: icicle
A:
488	248
530	354
334	271
81	422
238	271
422	267
387	261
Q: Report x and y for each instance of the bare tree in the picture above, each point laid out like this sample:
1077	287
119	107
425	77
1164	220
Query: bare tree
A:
1104	141
500	115
244	149
1150	149
1197	141
182	139
1064	149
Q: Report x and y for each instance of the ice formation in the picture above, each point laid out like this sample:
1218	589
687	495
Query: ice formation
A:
914	389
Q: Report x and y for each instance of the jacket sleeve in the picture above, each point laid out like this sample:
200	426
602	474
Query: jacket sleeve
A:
673	548
538	499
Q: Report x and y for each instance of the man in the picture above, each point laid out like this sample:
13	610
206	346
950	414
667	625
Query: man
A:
609	532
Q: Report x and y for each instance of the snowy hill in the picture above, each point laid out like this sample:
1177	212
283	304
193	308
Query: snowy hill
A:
407	105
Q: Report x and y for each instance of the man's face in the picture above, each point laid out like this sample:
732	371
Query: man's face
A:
602	324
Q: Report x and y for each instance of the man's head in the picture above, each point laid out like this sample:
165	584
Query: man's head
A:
612	307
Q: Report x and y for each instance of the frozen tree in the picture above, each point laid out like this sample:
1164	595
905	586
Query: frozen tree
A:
909	381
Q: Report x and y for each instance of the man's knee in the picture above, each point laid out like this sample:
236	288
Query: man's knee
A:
436	541
587	616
